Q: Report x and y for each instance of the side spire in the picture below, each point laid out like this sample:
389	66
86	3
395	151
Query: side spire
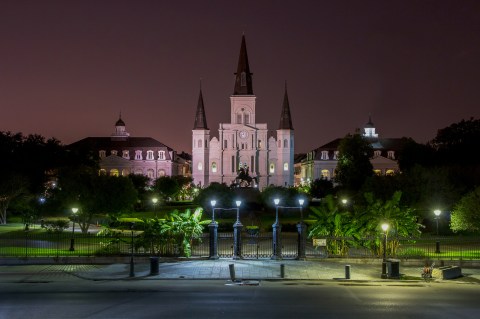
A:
243	76
200	117
285	117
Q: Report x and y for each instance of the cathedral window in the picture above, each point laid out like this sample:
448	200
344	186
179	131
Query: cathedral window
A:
243	79
391	155
199	143
324	155
138	155
161	155
200	166
214	167
285	166
149	155
113	153
239	118
272	168
285	143
102	154
126	154
233	164
246	118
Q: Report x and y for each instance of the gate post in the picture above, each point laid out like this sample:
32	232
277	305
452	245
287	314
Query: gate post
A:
277	245
237	240
301	229
213	240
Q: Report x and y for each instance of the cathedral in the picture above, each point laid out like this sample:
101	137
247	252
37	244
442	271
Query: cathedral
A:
243	146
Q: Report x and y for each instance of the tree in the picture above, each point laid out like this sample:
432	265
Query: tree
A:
167	187
219	192
354	165
12	186
466	214
320	188
288	196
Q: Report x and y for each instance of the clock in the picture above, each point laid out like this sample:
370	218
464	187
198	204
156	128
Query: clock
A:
243	134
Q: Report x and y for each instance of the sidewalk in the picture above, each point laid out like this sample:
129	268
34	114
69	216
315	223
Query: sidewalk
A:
219	269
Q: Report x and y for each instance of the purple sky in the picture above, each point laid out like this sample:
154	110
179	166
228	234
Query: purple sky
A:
67	68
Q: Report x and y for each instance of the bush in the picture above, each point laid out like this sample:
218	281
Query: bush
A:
55	225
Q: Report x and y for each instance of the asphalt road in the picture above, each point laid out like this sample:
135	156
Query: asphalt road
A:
78	298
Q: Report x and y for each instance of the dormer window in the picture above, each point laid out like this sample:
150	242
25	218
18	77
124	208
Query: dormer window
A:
113	153
377	153
335	155
161	155
150	155
126	154
102	154
391	155
324	155
138	155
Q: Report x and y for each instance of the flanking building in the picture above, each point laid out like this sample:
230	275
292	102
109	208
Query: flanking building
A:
121	154
322	161
243	143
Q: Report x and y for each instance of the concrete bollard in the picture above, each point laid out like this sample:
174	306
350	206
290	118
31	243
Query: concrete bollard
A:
282	270
232	271
347	271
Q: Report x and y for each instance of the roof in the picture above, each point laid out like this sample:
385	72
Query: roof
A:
200	117
243	86
112	143
285	116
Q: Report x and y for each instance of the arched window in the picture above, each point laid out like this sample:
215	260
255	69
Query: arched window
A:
199	143
377	172
200	166
246	118
102	172
150	173
285	166
161	173
214	167
390	172
325	173
114	172
239	118
138	171
125	172
272	168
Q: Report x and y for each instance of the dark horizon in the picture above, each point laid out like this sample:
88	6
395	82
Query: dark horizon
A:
69	69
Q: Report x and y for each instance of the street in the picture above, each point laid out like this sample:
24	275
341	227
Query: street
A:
77	298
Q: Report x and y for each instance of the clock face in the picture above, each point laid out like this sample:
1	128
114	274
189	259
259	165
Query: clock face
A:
243	134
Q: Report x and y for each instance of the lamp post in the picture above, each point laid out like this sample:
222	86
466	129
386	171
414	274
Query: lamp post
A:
344	201
437	213
384	262
72	240
132	265
237	234
154	201
213	230
301	228
277	247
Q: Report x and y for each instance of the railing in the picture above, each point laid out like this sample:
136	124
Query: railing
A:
254	246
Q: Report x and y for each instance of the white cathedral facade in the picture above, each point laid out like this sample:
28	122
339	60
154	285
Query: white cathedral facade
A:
243	143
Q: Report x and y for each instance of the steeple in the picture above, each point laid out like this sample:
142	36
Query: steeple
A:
200	118
285	117
243	76
120	132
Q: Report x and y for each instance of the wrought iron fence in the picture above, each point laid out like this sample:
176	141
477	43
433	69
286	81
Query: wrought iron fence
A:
254	246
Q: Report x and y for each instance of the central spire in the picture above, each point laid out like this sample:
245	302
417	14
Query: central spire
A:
243	76
285	117
200	117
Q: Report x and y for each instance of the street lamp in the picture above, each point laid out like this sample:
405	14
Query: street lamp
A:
237	234
72	240
384	263
155	200
277	248
437	213
344	201
301	228
213	231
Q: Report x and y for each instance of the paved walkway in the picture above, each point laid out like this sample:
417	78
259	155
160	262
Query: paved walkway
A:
217	269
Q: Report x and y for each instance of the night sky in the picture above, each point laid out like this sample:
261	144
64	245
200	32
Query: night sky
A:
68	68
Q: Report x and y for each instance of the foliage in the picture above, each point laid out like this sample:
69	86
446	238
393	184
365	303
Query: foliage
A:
223	194
12	186
288	196
466	214
55	225
184	227
353	162
320	188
